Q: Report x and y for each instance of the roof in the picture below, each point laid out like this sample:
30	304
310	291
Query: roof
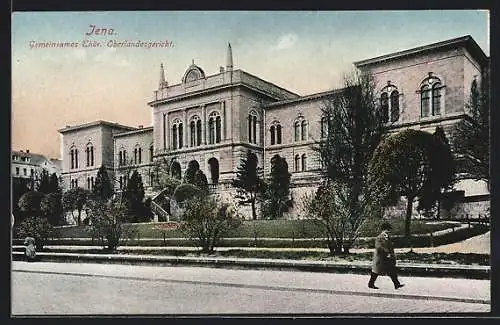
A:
466	41
35	158
139	130
303	98
69	128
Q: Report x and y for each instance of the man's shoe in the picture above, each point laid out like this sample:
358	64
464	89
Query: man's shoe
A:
372	286
399	286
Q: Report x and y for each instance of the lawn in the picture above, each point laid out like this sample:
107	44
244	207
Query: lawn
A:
263	229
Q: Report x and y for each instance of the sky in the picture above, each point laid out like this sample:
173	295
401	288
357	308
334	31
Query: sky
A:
304	52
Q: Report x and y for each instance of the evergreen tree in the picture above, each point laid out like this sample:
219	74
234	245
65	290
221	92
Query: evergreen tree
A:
471	137
277	191
200	180
54	184
44	184
134	196
248	182
103	189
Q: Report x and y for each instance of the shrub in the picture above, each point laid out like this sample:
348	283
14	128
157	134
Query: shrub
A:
36	227
185	192
206	222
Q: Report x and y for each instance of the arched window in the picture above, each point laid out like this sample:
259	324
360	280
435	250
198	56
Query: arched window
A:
296	129
192	133
120	158
198	132
424	101
76	158
177	134
252	127
297	163
384	106
72	155
214	128
135	156
195	131
217	129
89	151
151	153
394	106
278	134
436	99
272	131
175	170
214	169
430	96
304	162
303	130
174	136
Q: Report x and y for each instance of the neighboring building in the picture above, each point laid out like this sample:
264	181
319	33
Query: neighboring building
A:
134	150
85	148
215	119
27	167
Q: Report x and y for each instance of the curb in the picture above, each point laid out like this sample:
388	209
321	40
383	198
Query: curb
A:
437	270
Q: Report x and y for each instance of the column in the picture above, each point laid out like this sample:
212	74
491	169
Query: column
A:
164	128
223	117
167	118
203	125
185	129
229	121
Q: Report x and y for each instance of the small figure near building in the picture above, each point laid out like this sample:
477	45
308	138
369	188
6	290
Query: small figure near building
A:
384	259
30	248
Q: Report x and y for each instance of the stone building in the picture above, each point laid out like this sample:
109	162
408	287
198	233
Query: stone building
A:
214	119
85	148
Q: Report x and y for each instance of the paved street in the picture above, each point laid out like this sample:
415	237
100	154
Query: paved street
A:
85	289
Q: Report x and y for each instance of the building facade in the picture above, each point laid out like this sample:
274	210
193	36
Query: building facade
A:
215	119
27	167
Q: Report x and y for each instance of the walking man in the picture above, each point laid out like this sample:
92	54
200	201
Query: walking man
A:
384	259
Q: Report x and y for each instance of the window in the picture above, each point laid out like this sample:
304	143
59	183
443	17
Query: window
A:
177	134
140	155
296	128
424	101
195	131
252	127
384	106
121	182
303	130
304	162
394	106
135	155
297	163
436	99
124	157
120	159
151	153
88	183
431	96
32	172
25	173
17	170
89	151
389	103
74	157
214	128
275	131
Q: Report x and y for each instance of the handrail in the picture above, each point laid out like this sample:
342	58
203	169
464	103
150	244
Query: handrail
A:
156	208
